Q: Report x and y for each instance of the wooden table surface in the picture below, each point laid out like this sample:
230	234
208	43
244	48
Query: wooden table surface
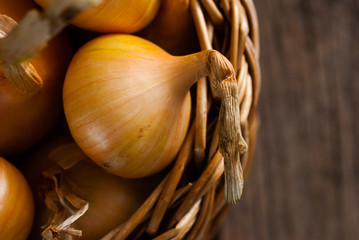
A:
304	181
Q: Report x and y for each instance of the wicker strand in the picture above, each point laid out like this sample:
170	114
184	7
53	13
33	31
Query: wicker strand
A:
247	101
170	234
198	187
172	183
243	31
124	230
214	13
253	21
242	75
234	42
253	129
188	220
201	106
204	216
253	62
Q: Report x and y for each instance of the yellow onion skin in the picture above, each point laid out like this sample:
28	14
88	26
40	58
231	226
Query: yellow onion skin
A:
127	103
26	118
16	203
121	16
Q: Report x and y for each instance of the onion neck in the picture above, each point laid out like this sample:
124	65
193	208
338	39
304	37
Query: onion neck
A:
191	68
224	86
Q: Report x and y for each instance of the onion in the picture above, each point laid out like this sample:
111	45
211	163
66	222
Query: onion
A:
98	201
128	106
126	16
16	203
26	117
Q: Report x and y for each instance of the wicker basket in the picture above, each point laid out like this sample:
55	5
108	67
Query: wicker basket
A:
189	202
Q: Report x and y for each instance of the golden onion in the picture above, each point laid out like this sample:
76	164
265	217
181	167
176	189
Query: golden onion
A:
125	16
16	203
26	118
127	105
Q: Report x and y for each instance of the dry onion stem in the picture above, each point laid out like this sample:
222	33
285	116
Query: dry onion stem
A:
23	42
231	142
23	75
230	133
60	223
67	206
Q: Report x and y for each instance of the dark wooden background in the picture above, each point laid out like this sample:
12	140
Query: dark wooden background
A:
304	181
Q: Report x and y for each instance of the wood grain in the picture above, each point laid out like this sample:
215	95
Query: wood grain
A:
304	181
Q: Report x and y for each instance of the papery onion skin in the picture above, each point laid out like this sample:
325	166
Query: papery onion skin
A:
127	103
112	199
122	16
16	203
26	118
